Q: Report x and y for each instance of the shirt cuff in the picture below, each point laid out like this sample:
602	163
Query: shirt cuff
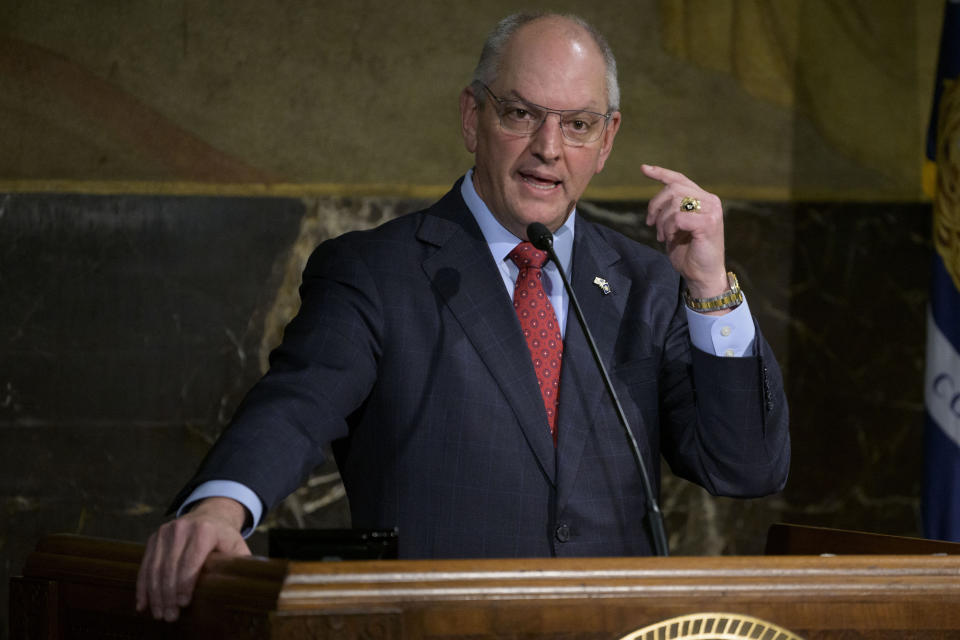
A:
228	489
730	335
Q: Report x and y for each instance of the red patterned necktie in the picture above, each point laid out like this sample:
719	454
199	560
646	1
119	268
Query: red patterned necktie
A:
540	326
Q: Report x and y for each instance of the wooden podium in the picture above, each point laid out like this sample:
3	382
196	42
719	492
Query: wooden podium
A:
74	587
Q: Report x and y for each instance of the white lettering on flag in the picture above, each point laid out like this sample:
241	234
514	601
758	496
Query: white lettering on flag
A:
942	381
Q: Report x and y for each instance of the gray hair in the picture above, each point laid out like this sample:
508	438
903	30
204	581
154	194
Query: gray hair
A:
489	64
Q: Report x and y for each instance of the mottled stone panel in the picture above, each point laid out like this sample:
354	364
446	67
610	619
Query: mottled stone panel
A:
135	310
858	324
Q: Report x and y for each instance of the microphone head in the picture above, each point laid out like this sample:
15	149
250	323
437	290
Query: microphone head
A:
539	236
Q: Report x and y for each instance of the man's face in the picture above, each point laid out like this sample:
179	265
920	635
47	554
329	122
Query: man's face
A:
540	177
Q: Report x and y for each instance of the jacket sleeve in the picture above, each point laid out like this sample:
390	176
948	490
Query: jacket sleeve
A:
320	374
724	421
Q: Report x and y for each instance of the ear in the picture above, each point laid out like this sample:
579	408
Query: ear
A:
469	117
606	144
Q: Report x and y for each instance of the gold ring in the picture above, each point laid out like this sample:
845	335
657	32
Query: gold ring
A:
690	204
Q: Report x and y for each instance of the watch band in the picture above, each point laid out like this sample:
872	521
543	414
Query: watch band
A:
729	299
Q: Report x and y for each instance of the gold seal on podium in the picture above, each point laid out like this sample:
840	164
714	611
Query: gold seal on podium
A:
712	626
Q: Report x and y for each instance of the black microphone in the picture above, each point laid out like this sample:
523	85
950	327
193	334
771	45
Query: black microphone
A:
542	239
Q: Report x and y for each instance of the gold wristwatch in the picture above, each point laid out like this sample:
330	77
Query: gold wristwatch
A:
729	299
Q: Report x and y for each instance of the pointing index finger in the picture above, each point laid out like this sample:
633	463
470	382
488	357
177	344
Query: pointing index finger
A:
666	176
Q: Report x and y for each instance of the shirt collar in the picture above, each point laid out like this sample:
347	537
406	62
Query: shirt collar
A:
500	240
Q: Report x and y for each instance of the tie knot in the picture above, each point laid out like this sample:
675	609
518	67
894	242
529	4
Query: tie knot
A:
525	255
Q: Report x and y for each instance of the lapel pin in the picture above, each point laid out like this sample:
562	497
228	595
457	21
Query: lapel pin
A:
603	284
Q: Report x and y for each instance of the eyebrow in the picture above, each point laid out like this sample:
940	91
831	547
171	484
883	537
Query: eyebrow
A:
516	96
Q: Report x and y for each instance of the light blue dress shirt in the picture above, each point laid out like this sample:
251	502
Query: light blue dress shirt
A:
729	335
502	242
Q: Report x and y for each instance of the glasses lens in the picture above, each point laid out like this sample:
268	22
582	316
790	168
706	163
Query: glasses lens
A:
582	126
519	117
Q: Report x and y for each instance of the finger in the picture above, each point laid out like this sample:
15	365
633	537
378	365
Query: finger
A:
143	573
674	230
195	554
150	576
660	204
155	570
240	548
174	537
670	200
667	176
666	224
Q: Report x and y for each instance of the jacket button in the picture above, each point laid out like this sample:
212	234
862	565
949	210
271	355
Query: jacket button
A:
563	532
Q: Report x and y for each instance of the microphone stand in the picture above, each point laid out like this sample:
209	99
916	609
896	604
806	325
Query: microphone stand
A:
542	239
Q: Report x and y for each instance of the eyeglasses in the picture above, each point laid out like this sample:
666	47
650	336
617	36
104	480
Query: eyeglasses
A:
525	118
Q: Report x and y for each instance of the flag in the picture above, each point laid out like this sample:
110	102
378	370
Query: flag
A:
941	490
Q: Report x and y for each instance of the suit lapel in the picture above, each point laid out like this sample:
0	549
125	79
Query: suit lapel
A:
582	390
467	280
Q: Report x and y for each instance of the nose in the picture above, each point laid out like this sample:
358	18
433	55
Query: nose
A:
547	141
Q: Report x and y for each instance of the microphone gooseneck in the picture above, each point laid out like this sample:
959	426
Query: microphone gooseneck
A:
542	239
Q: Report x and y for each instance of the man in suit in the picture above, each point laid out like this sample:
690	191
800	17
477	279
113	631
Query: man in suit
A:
474	426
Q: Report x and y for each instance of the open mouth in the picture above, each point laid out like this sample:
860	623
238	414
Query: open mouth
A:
537	182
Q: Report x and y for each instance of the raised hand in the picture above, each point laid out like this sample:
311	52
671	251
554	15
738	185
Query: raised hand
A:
693	238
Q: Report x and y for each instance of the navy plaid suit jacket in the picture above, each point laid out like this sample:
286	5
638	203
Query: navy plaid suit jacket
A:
407	356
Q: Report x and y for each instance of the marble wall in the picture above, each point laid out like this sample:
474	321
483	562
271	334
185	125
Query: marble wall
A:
131	326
